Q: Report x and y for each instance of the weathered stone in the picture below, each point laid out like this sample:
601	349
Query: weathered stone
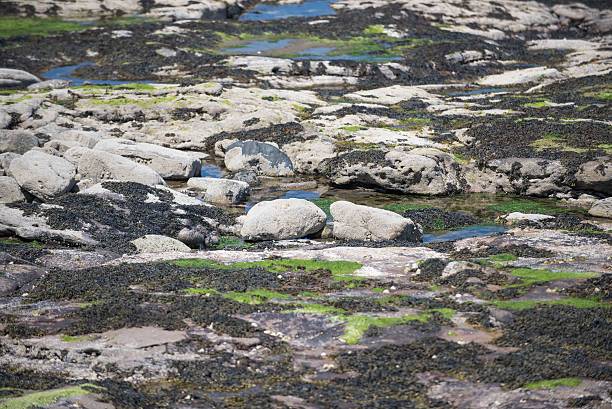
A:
100	166
17	141
49	84
264	158
15	78
516	217
154	243
10	192
42	175
169	163
595	175
282	219
602	208
356	222
220	190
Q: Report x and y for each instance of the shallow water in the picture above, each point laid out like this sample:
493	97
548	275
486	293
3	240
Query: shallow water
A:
211	171
271	11
479	91
67	73
464	233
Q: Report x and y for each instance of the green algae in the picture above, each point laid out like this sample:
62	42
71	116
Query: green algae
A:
357	325
142	103
254	297
555	141
525	206
231	243
519	305
553	383
353	128
78	338
531	276
402	207
27	26
46	398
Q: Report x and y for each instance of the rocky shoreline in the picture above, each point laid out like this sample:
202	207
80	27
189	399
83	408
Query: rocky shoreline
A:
353	204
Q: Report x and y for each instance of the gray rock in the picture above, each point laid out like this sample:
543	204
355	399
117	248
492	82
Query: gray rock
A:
17	141
596	175
99	166
11	78
356	222
5	119
197	237
49	84
517	217
88	139
263	158
10	192
216	190
602	208
169	163
282	219
154	243
42	175
6	159
16	276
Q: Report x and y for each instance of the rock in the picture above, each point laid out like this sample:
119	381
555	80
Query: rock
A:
264	158
516	217
197	237
17	141
595	175
220	190
42	175
10	192
282	219
602	208
523	76
420	171
356	222
169	163
5	119
49	84
166	52
6	159
99	166
11	78
17	276
306	156
88	139
154	243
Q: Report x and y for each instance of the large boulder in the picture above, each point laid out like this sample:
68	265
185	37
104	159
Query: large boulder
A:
217	190
17	141
283	219
88	139
42	175
264	158
98	166
155	243
5	119
11	78
602	208
169	163
10	192
5	161
356	222
595	175
420	171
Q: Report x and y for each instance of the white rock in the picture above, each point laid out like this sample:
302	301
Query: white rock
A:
16	78
356	222
515	217
154	243
220	190
10	191
169	163
42	175
283	219
17	141
263	158
602	208
524	76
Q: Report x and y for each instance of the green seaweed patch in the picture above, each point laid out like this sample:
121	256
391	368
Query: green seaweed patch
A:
201	291
402	207
254	297
374	29
12	241
519	305
341	270
27	26
543	103
526	206
232	242
498	260
324	204
414	123
555	141
353	128
46	398
530	276
553	383
142	103
271	98
131	87
78	338
357	325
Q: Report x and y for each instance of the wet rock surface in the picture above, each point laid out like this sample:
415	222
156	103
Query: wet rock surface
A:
351	203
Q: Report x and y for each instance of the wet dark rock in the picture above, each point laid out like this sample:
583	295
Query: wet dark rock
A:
438	219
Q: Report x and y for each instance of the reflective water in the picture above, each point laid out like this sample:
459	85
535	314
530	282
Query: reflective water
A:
211	171
67	73
464	233
272	11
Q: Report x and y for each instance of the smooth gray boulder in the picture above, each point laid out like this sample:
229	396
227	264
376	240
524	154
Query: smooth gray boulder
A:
88	139
169	163
6	159
11	78
596	175
224	191
5	119
602	208
42	175
49	84
282	219
518	217
263	158
155	243
98	166
17	141
10	192
356	222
